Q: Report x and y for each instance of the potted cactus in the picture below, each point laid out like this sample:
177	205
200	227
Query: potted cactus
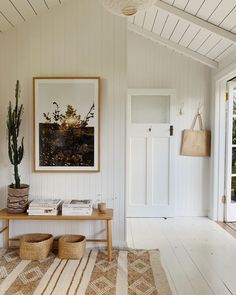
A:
17	200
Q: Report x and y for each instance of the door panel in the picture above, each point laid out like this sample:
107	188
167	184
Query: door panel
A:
138	171
160	168
150	148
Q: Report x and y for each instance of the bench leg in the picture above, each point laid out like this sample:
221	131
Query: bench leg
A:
7	231
109	239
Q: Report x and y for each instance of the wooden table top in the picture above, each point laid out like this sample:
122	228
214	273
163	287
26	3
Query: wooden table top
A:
23	216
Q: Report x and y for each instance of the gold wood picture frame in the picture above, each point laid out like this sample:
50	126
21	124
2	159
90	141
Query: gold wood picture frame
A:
66	124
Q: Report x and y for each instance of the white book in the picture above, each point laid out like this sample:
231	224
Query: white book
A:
43	208
77	209
43	213
48	211
45	203
78	204
76	214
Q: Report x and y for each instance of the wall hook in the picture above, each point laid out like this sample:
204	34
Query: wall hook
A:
181	109
199	108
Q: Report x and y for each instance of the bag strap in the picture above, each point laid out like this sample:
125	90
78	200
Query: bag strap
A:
199	117
200	121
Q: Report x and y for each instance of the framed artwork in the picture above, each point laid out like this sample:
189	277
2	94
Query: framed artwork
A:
66	124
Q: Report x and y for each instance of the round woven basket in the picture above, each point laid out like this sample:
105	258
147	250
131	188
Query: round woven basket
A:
35	246
71	247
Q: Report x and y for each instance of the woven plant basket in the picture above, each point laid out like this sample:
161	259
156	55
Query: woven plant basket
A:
71	247
17	200
35	246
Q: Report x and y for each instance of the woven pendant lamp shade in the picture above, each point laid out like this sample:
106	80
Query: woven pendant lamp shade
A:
126	7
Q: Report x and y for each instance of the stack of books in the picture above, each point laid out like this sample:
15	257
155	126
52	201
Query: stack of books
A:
49	207
77	208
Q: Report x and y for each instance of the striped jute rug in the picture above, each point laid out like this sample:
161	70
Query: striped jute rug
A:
130	272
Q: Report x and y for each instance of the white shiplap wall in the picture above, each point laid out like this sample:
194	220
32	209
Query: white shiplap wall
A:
78	38
153	66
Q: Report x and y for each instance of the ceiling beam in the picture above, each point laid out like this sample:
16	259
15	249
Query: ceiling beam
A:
172	45
196	20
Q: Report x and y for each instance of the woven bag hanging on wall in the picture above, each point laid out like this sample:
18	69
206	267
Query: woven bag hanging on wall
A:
196	143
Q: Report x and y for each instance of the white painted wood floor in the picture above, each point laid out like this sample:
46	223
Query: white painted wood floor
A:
199	257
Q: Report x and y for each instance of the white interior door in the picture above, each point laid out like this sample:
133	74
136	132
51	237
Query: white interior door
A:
150	150
230	176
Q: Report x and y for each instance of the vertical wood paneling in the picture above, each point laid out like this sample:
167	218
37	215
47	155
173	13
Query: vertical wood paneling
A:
154	66
79	38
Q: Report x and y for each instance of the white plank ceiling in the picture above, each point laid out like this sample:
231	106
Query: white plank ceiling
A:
13	12
167	22
160	24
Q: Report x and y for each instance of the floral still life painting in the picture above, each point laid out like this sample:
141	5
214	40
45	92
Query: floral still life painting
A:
66	124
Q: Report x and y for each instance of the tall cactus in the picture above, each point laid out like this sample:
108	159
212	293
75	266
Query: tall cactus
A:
15	150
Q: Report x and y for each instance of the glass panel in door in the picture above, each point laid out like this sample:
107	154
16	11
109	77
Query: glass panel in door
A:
150	109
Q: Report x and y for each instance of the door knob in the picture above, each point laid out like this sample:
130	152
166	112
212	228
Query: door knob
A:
171	130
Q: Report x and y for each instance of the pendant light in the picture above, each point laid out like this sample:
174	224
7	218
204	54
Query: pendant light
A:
126	7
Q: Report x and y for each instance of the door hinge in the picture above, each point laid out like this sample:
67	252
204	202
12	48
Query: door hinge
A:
226	97
224	200
171	130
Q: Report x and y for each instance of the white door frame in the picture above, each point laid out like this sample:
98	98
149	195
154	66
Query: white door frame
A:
219	82
230	208
149	91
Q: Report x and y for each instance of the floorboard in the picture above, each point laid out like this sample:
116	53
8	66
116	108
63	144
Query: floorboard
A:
192	253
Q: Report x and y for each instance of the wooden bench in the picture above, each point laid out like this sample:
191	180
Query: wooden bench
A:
107	217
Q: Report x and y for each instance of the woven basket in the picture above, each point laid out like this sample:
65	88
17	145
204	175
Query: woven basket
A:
71	247
35	246
17	200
